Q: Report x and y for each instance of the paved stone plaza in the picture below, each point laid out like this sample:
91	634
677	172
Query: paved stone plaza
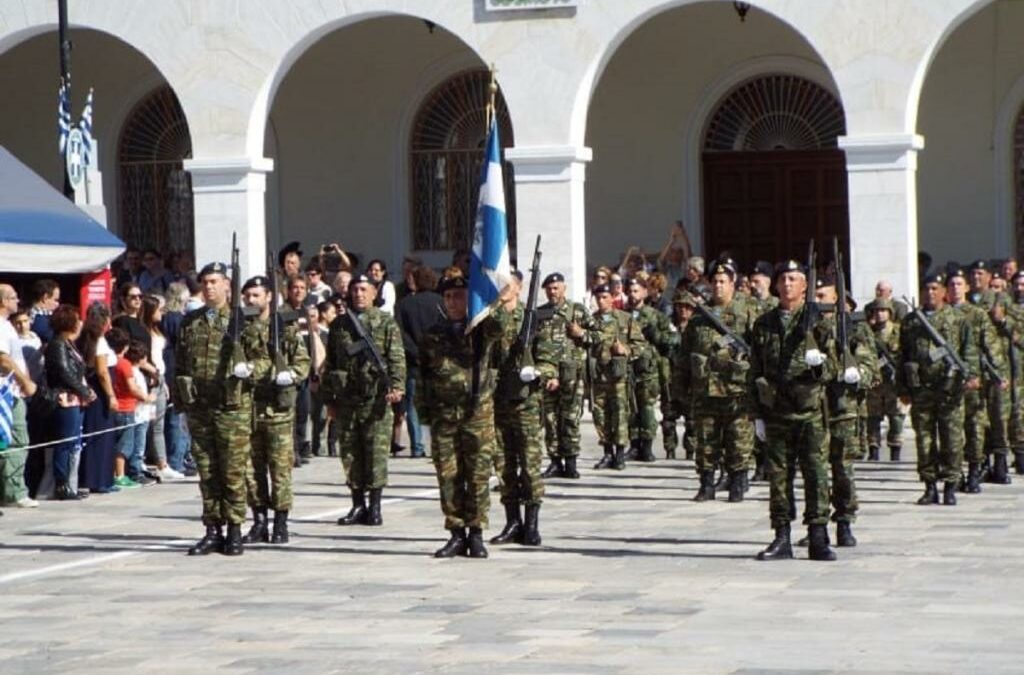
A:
633	577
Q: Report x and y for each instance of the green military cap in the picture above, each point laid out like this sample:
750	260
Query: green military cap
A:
684	298
214	268
879	304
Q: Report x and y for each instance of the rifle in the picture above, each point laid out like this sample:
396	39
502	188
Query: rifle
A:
237	353
842	314
367	343
729	336
952	359
810	315
990	369
521	352
886	358
274	343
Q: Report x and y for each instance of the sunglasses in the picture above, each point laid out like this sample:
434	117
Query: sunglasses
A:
134	296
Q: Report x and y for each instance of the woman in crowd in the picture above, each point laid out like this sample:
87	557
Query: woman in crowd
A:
130	318
175	431
386	294
152	316
96	469
65	377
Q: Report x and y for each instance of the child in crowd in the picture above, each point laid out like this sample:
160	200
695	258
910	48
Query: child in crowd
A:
131	436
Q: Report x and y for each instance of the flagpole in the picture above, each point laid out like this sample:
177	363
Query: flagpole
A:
65	75
492	94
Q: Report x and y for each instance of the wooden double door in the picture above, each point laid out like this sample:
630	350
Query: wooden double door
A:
767	205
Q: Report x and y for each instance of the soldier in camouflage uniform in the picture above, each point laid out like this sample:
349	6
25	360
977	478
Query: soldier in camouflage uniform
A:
645	364
761	294
1000	388
613	341
524	373
458	404
563	326
790	365
976	418
883	399
360	394
212	386
683	308
936	388
716	384
857	371
274	377
1016	314
979	277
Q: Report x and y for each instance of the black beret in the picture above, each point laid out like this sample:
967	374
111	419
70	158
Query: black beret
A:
214	268
601	288
788	266
764	268
954	273
980	265
934	278
825	281
451	283
553	278
1019	274
290	247
258	281
724	266
636	281
362	279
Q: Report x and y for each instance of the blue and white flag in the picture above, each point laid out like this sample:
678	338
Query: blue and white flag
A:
85	124
63	116
489	268
6	411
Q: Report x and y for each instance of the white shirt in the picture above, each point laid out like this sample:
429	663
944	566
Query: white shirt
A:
9	346
157	355
389	296
144	412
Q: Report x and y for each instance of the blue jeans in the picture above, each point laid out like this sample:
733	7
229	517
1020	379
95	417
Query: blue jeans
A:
412	419
178	439
67	423
131	443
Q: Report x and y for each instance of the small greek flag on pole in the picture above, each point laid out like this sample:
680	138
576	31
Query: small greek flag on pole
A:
6	411
85	124
63	116
489	268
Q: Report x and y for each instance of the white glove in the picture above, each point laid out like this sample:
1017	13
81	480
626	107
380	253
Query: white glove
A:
851	375
528	374
760	431
813	358
284	378
242	371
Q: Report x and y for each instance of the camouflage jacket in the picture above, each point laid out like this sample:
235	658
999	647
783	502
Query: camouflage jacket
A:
658	339
923	364
292	350
886	340
350	372
610	327
713	368
205	356
843	398
986	340
553	327
783	385
544	355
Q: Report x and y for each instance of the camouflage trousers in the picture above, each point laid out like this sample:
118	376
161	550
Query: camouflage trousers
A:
844	448
723	429
519	442
643	423
561	411
883	402
611	412
1000	411
797	442
939	425
975	425
1016	425
364	442
669	414
462	443
220	447
269	479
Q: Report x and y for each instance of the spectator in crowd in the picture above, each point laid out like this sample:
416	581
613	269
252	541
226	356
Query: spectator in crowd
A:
673	257
601	276
175	430
417	313
130	439
340	284
290	260
130	318
619	299
377	270
633	261
13	491
657	298
460	259
181	266
44	297
65	377
152	319
404	288
1009	268
96	469
154	278
29	344
695	269
131	267
883	291
318	289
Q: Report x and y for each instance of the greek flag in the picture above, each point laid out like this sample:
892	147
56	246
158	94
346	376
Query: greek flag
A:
6	411
85	124
63	116
489	267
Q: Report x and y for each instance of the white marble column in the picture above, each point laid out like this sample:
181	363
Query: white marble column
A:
549	202
228	195
882	172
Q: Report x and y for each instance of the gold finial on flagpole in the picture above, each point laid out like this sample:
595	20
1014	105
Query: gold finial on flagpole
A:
492	94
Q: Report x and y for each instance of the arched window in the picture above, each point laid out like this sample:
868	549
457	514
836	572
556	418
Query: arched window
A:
156	191
447	152
1018	182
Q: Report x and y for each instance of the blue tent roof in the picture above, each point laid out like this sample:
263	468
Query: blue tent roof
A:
42	231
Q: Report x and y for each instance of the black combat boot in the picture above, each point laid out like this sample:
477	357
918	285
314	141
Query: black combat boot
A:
873	453
806	539
894	453
973	485
689	453
724	480
531	533
233	540
212	541
706	492
930	496
258	532
555	469
606	460
634	449
570	470
646	451
358	513
780	548
455	546
948	494
737	485
619	462
670	453
513	531
759	473
844	534
1018	462
373	516
475	544
818	546
280	535
1000	470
